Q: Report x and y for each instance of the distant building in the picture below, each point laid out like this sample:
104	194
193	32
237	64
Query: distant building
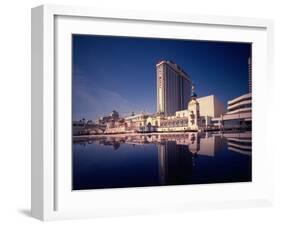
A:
173	88
113	116
250	74
78	127
86	128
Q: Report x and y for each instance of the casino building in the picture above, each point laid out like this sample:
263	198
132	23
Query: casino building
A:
173	88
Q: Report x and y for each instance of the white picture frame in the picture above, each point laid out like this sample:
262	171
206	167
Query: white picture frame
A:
47	90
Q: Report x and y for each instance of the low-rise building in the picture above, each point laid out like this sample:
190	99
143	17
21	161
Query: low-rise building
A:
113	116
210	106
241	104
239	114
86	128
134	122
183	120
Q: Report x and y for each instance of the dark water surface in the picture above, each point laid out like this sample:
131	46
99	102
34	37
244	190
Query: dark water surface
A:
161	159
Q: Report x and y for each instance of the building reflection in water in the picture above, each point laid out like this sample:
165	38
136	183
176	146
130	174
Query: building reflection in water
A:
177	158
177	153
175	163
240	143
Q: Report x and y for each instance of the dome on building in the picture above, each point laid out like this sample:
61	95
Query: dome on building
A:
114	114
193	94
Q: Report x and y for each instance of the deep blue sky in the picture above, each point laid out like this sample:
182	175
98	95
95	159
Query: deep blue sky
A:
119	73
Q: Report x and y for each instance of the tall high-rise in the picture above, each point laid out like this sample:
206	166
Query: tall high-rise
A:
250	74
173	88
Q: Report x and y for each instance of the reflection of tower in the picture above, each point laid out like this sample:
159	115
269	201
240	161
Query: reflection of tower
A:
193	107
175	163
161	163
173	88
194	143
250	73
194	146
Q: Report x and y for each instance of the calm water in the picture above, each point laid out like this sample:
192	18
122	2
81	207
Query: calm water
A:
161	159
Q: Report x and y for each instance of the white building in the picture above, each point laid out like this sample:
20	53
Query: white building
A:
211	106
239	114
241	104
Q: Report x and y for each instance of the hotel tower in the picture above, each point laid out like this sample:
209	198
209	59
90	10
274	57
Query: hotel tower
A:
173	88
250	74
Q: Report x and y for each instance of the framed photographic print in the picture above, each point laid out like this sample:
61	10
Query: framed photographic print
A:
137	112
